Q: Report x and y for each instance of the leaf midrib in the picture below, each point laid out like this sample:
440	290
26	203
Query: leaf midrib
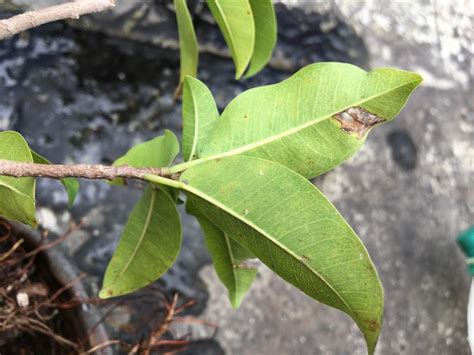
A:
262	142
15	190
227	27
289	132
231	257
142	236
275	242
196	126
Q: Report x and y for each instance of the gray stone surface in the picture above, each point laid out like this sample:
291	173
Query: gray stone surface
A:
87	97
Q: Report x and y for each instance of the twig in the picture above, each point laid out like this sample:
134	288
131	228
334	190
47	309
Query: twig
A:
12	250
43	247
87	171
6	233
63	289
156	335
104	345
70	10
27	323
105	315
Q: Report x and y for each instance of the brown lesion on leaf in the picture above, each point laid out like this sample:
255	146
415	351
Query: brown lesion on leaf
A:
305	258
357	120
373	325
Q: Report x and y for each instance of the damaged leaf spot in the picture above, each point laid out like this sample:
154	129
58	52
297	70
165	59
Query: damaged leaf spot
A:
305	258
357	120
373	325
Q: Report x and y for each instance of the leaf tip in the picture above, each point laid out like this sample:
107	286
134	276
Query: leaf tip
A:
33	223
238	74
106	293
235	301
371	334
420	79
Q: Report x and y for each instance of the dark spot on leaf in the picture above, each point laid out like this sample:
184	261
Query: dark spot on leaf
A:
403	149
305	258
357	120
373	325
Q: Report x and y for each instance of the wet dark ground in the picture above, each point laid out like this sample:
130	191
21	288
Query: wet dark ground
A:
87	92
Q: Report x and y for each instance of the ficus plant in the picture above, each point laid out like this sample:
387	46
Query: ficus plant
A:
245	173
245	177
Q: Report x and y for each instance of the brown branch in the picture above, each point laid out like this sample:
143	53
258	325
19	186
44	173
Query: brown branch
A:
104	345
86	171
70	10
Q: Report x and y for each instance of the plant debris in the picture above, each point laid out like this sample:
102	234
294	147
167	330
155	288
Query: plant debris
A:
35	311
30	300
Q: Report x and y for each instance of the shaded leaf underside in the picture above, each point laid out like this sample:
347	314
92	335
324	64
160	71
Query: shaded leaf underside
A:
228	257
288	224
293	122
235	20
188	45
148	246
200	117
17	196
264	17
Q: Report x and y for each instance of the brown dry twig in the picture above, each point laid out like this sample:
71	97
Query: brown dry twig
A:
71	10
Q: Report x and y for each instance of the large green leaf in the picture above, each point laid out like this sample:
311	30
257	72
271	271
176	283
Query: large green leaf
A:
156	153
234	18
288	224
200	116
71	185
148	247
298	121
188	46
228	258
17	196
264	16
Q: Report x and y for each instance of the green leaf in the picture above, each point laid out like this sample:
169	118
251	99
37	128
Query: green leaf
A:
188	46
290	226
17	196
234	18
156	153
265	34
71	185
148	247
294	122
200	116
228	258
